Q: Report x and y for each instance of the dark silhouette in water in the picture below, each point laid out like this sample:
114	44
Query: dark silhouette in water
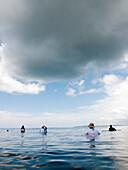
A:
112	128
22	129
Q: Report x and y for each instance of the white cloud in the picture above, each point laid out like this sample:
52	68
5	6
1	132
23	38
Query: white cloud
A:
114	107
90	91
71	92
12	85
122	65
81	85
31	120
78	88
75	87
126	58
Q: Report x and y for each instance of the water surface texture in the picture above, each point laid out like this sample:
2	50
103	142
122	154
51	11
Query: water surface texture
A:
64	148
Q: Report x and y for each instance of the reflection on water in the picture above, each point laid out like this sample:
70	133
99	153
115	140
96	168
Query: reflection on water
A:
22	139
44	142
63	149
92	146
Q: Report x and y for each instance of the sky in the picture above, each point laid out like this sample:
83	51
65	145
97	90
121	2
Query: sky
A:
63	63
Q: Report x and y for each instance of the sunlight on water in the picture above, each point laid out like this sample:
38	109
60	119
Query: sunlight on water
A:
63	148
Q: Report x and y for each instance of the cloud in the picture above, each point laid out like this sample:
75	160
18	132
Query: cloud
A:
12	85
110	110
126	58
31	120
71	92
78	88
90	91
75	87
56	40
123	65
113	108
81	84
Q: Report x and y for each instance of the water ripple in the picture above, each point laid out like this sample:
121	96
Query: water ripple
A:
64	149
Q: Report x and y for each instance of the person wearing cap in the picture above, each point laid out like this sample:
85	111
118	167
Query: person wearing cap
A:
44	130
92	133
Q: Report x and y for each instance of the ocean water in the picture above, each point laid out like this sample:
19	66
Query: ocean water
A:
64	148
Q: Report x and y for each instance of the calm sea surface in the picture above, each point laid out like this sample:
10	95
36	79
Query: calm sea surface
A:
64	148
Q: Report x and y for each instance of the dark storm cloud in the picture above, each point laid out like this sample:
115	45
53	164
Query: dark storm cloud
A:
55	40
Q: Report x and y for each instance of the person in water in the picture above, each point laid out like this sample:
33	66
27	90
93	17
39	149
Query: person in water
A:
22	129
112	128
44	130
92	133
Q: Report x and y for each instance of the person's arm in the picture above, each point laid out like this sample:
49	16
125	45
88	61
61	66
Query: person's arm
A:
98	132
86	133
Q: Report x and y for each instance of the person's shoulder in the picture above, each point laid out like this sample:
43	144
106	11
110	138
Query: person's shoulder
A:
89	130
97	131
